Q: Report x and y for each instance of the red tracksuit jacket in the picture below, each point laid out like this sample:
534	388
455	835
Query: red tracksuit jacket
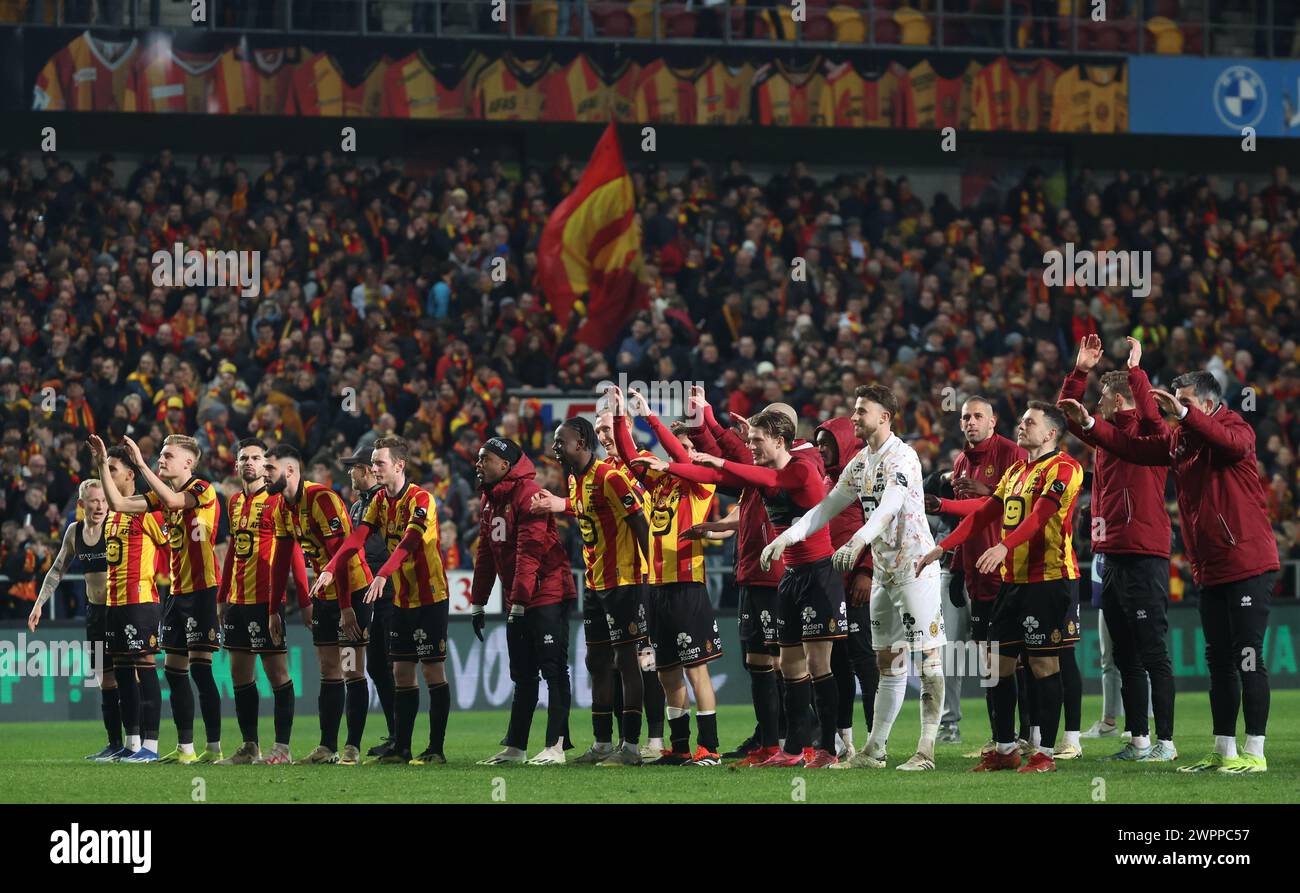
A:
1128	497
521	548
1221	502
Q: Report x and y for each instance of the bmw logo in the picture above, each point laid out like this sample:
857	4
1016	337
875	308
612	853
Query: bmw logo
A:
1240	97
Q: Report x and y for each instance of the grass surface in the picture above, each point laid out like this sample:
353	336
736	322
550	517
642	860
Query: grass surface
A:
42	763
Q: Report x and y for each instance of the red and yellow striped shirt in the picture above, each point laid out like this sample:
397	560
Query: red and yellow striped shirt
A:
1049	554
602	498
422	579
673	505
192	536
319	522
252	537
131	544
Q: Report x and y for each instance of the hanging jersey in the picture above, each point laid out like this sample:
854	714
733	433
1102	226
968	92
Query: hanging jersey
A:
1012	96
665	95
935	102
575	92
510	89
785	97
89	75
859	100
176	81
413	89
622	84
254	82
1091	99
722	94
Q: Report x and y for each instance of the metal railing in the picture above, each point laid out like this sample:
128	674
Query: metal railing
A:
1218	27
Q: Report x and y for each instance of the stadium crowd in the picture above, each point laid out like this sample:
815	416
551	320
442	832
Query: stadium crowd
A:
378	313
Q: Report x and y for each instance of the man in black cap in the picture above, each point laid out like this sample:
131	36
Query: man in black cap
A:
365	487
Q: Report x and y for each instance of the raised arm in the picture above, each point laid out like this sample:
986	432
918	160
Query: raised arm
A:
1146	449
1148	413
168	500
1234	444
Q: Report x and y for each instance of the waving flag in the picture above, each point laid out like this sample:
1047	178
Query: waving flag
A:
590	250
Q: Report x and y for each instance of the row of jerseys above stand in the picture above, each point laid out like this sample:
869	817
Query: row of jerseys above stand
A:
91	74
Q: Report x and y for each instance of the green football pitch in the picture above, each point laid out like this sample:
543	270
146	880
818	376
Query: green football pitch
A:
42	763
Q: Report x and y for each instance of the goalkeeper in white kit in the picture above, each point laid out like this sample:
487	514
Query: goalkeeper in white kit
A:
906	615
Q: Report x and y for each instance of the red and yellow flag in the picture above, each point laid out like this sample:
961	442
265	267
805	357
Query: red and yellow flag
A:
590	249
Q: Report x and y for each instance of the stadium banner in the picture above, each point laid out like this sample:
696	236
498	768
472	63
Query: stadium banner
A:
1213	97
43	674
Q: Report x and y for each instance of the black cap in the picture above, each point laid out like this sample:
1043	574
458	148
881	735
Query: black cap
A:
506	449
360	457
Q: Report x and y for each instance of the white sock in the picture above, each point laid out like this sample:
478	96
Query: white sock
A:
1006	748
672	713
1046	750
1035	735
513	752
1225	745
603	746
151	744
214	746
1141	742
655	743
846	735
186	748
132	742
780	742
931	702
1255	745
1072	738
1168	742
889	700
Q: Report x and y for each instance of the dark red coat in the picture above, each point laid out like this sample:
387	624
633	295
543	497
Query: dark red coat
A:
849	521
985	462
1224	516
1128	498
523	549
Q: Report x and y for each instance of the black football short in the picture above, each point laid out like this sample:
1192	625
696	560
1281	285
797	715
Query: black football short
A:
686	629
131	630
419	633
248	628
757	619
811	605
614	616
326	625
95	620
1034	617
859	636
981	612
189	622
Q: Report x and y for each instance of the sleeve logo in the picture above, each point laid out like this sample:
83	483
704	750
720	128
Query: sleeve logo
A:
336	524
1058	487
629	500
900	479
420	513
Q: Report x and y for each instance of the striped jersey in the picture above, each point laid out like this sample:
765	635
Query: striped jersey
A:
602	497
89	75
786	97
934	101
509	89
623	81
422	579
320	90
131	546
256	82
665	95
1049	555
192	537
722	94
176	81
673	505
575	92
319	522
252	537
412	89
1013	96
864	101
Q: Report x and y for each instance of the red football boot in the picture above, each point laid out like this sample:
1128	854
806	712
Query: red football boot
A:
996	762
1039	762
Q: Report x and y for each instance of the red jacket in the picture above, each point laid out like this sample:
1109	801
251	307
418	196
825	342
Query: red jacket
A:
523	549
1128	498
1225	522
849	521
985	462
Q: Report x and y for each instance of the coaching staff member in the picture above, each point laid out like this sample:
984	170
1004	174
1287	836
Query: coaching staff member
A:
1230	543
